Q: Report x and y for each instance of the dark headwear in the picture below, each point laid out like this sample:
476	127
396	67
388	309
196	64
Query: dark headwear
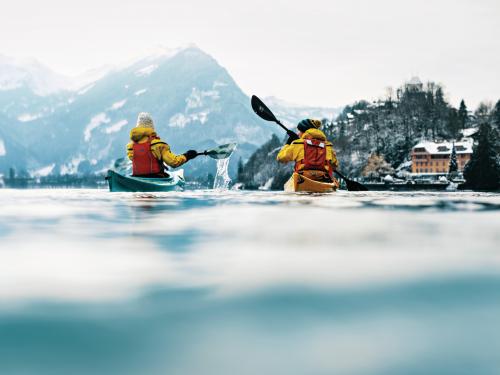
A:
308	124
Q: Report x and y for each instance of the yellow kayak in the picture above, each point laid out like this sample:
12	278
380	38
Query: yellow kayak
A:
298	183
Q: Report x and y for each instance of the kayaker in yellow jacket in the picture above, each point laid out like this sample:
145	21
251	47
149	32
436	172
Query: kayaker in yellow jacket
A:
149	153
312	153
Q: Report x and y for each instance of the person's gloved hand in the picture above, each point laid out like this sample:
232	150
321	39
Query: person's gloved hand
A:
291	137
191	154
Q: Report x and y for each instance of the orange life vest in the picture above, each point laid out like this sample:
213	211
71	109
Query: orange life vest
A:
144	162
314	157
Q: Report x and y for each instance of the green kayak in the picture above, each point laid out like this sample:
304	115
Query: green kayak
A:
120	183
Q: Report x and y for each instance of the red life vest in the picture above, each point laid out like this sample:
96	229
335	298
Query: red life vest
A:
314	157
144	162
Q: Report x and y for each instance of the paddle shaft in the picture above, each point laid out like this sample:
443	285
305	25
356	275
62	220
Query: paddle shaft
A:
283	126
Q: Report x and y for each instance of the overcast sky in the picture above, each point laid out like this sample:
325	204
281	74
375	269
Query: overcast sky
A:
317	52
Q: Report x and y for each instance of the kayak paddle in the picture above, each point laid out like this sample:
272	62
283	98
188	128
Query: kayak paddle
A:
262	111
265	113
351	184
220	152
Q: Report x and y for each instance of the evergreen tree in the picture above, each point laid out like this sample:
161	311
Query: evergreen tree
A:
495	116
440	114
453	123
453	170
483	112
240	170
463	115
483	170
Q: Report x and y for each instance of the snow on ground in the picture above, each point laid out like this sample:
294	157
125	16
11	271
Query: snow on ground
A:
469	132
404	165
218	84
3	151
27	117
116	127
267	185
195	99
118	104
201	117
85	89
140	92
146	71
72	167
94	123
180	120
43	172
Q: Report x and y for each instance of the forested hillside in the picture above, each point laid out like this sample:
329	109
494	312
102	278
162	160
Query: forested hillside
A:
389	128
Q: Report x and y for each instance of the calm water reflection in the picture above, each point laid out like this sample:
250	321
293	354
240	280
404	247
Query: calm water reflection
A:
242	283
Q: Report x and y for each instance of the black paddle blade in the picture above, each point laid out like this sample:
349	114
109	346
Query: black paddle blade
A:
221	152
355	186
350	184
261	110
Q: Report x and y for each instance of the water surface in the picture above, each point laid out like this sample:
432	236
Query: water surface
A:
208	282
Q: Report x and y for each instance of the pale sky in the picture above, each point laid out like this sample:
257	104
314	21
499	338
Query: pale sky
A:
316	52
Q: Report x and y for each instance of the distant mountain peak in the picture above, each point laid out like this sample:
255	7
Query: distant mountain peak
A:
28	72
16	73
292	113
159	53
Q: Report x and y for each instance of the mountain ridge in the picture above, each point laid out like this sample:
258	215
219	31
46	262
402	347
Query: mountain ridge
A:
193	99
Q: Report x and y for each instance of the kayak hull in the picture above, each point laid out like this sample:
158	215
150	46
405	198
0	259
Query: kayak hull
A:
120	183
300	183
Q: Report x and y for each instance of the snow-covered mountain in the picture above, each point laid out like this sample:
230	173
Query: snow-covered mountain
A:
291	114
29	73
194	101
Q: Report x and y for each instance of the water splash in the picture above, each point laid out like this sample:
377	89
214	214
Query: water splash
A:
222	179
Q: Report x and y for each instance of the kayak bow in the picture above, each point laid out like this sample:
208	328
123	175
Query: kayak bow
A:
300	183
121	183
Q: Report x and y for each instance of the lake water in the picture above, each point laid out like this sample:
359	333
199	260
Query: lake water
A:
214	282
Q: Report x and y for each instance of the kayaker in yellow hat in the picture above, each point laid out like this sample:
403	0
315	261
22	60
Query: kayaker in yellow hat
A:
149	153
312	153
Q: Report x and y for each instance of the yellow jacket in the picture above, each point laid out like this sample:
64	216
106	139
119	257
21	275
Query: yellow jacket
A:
295	150
159	149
